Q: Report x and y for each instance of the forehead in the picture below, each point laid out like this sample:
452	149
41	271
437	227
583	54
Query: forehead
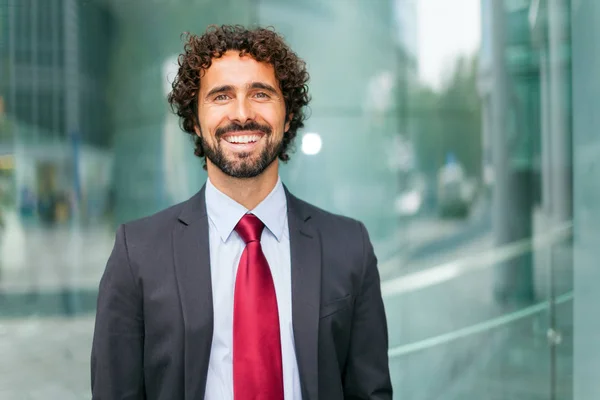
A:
231	69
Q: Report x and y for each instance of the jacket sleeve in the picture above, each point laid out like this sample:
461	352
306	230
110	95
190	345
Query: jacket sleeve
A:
117	347
366	375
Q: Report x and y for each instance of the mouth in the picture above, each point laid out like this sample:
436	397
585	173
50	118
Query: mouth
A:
242	141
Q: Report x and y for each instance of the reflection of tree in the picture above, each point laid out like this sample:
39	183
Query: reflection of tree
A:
449	120
6	131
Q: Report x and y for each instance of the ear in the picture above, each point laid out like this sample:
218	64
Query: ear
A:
197	117
287	124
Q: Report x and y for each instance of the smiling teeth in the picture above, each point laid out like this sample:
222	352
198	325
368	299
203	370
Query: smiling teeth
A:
242	139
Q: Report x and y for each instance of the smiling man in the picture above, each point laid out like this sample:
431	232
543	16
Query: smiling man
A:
242	110
242	292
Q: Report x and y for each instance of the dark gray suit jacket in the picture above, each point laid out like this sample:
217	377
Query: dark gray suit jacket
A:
154	319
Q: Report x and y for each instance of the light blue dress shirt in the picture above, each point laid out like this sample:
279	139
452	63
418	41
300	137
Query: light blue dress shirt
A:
226	249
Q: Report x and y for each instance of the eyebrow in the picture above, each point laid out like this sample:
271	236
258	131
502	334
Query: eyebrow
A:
219	89
263	86
230	88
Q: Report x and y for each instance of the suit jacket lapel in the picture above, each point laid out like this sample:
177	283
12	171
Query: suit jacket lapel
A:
192	270
305	248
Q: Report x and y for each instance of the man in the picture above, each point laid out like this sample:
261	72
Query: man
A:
244	291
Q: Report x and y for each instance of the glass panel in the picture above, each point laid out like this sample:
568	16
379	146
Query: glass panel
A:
470	342
586	196
509	361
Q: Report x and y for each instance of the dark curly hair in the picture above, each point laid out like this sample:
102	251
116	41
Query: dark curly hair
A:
262	44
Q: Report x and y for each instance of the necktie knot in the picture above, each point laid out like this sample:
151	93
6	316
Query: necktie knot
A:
250	228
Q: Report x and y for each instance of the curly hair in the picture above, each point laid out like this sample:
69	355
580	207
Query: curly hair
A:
263	45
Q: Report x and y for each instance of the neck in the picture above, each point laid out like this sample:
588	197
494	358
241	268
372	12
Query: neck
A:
248	192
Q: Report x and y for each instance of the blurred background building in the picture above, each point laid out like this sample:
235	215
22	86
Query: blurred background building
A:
462	133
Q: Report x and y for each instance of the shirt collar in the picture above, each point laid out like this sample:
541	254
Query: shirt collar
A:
225	213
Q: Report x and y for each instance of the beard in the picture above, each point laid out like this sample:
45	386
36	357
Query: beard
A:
243	166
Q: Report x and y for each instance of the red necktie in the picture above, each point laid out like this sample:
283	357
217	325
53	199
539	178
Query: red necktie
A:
257	366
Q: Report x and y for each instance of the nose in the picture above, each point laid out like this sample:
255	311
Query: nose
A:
242	111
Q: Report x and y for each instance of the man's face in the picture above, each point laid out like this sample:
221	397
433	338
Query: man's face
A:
242	115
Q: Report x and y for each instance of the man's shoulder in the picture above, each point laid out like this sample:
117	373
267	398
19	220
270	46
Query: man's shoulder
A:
342	237
160	221
329	221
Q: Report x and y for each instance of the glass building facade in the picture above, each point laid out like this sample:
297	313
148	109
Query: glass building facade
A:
463	134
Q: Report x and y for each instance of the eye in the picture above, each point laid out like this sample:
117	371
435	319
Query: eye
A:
262	95
221	97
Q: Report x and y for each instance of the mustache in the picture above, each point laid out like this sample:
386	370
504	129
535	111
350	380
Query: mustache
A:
250	126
